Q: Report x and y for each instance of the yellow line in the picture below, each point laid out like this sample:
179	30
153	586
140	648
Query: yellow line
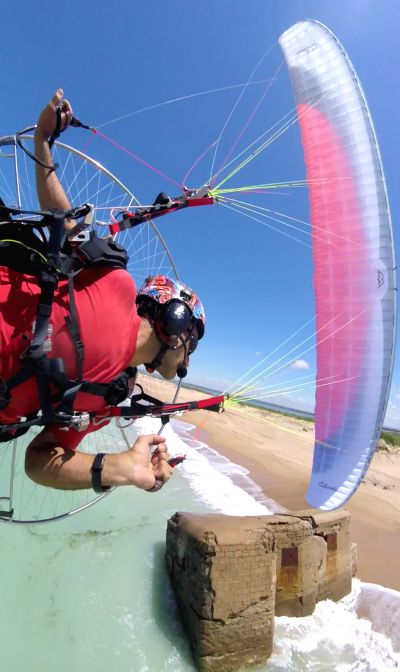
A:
273	424
284	429
27	247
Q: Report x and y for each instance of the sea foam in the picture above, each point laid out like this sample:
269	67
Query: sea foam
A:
364	626
224	486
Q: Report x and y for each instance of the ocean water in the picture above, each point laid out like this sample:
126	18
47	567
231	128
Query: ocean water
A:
90	593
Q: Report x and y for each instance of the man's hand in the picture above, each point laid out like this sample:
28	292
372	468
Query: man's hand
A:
49	464
147	466
47	121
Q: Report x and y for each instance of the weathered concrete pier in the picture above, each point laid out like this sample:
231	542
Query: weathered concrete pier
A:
232	575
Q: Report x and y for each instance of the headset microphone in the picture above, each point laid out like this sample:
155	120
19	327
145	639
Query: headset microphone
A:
181	371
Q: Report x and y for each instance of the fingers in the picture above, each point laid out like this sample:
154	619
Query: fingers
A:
156	439
57	98
151	450
162	473
150	440
159	460
66	107
159	454
58	102
145	445
163	470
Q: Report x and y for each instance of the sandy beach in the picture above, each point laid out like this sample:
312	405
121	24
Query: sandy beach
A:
277	450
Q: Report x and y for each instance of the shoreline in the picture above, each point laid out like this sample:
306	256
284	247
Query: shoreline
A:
277	450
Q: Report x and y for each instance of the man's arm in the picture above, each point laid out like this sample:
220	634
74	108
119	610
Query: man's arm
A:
48	464
49	189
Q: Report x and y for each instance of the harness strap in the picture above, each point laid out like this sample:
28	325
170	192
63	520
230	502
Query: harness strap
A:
102	251
72	323
99	251
4	211
113	393
58	406
34	358
5	396
45	371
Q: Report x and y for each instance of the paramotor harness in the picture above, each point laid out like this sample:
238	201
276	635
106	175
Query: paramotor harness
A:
25	248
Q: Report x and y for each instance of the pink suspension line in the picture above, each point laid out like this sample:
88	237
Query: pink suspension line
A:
193	166
137	158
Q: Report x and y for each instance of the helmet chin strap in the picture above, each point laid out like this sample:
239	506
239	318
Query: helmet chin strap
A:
152	366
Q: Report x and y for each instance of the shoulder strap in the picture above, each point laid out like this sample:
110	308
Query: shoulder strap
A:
95	251
4	211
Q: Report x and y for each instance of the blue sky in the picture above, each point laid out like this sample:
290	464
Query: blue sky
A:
121	57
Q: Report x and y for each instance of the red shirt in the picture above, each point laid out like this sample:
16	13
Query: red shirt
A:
108	323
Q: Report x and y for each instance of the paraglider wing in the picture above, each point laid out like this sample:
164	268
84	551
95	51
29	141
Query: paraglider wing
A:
353	261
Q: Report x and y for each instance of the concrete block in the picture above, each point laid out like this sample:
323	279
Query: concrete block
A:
231	575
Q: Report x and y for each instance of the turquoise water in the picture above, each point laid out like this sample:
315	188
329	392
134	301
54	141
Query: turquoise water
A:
91	593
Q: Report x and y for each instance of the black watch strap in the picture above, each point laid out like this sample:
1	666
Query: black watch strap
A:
97	468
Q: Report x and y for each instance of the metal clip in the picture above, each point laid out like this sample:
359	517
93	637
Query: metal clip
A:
80	234
202	191
79	421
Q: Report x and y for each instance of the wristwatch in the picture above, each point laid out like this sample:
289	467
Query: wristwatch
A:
97	468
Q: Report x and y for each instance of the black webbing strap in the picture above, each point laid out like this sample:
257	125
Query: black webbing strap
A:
34	355
4	212
48	372
93	252
55	369
113	393
48	282
102	251
72	323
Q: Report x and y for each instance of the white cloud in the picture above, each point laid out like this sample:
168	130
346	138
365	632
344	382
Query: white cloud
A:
258	353
299	365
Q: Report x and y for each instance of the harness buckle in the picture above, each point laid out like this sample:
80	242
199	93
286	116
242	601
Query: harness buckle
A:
78	421
78	233
81	421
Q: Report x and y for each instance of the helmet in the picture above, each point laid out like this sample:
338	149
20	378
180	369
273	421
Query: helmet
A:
173	307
